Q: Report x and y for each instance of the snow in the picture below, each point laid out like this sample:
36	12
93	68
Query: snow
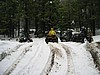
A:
60	62
96	38
39	58
5	45
83	62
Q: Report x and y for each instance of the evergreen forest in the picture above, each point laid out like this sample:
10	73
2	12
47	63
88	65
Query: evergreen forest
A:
41	15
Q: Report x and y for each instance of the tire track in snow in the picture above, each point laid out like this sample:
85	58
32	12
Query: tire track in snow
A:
54	64
49	63
38	62
30	61
60	60
71	69
21	54
8	52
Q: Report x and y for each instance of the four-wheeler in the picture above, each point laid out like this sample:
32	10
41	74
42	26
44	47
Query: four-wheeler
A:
25	39
53	38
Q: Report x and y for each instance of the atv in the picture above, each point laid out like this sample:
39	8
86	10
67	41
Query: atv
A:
25	39
52	38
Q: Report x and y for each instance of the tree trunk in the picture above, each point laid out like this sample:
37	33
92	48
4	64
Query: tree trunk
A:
26	28
93	24
36	26
18	27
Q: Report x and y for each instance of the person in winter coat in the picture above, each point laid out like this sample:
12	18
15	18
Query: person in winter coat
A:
52	32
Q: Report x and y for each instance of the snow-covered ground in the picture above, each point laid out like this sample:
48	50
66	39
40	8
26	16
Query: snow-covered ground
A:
39	58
